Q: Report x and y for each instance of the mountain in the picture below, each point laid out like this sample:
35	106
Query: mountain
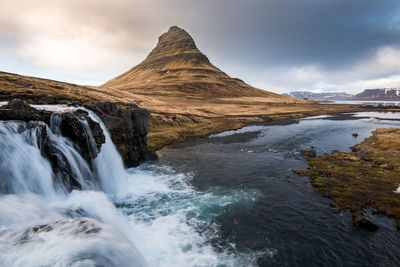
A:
176	67
320	96
383	94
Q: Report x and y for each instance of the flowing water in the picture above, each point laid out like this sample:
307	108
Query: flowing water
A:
227	200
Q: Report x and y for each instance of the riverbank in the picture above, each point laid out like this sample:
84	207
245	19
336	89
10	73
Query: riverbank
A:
167	128
366	177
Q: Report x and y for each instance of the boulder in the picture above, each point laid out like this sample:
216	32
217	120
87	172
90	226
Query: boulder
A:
360	220
311	153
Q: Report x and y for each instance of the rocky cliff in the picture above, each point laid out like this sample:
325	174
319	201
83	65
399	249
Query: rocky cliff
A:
128	126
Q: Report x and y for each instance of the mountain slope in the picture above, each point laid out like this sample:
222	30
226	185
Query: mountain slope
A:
379	94
321	96
176	67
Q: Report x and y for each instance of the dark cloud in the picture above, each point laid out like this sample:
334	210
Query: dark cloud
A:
330	33
265	42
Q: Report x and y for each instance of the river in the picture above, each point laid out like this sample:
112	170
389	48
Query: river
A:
227	200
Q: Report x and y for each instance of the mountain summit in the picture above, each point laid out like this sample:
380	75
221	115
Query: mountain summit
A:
177	67
176	42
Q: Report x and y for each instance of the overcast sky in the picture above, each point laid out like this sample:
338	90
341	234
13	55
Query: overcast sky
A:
277	45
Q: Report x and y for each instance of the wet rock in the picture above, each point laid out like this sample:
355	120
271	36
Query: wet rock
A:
360	220
355	134
311	153
72	127
127	123
18	109
128	126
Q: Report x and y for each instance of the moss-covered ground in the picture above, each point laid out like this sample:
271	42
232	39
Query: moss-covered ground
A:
367	176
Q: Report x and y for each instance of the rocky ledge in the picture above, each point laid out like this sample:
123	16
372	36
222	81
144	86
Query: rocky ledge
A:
71	127
128	126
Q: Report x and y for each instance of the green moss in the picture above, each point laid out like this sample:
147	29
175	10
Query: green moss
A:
368	176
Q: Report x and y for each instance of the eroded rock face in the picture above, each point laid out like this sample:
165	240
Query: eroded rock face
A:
128	126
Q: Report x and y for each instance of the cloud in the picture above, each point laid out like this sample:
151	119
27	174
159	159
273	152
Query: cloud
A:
385	62
61	34
381	70
275	44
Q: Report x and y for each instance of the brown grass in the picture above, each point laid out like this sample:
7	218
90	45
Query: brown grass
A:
175	118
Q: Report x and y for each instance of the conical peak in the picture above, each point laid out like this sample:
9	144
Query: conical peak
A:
174	38
176	67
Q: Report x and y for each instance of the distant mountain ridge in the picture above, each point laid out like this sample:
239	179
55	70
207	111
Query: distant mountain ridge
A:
176	67
320	96
379	94
388	94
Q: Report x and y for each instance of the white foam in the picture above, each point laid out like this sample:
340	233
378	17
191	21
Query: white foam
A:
397	190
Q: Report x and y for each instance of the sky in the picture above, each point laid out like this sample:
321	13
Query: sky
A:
276	45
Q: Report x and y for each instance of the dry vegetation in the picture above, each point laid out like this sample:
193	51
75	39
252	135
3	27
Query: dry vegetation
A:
186	94
175	118
367	176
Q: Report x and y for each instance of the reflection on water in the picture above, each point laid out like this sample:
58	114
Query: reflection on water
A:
363	102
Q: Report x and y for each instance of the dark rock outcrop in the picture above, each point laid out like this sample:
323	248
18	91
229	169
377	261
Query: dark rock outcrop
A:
128	126
311	153
71	127
360	220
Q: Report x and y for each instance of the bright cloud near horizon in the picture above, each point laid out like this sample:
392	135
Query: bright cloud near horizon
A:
276	45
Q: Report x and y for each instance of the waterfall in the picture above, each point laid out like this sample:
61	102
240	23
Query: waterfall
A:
108	166
22	167
39	215
119	217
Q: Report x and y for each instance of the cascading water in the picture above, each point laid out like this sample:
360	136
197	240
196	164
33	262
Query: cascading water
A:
22	167
147	216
